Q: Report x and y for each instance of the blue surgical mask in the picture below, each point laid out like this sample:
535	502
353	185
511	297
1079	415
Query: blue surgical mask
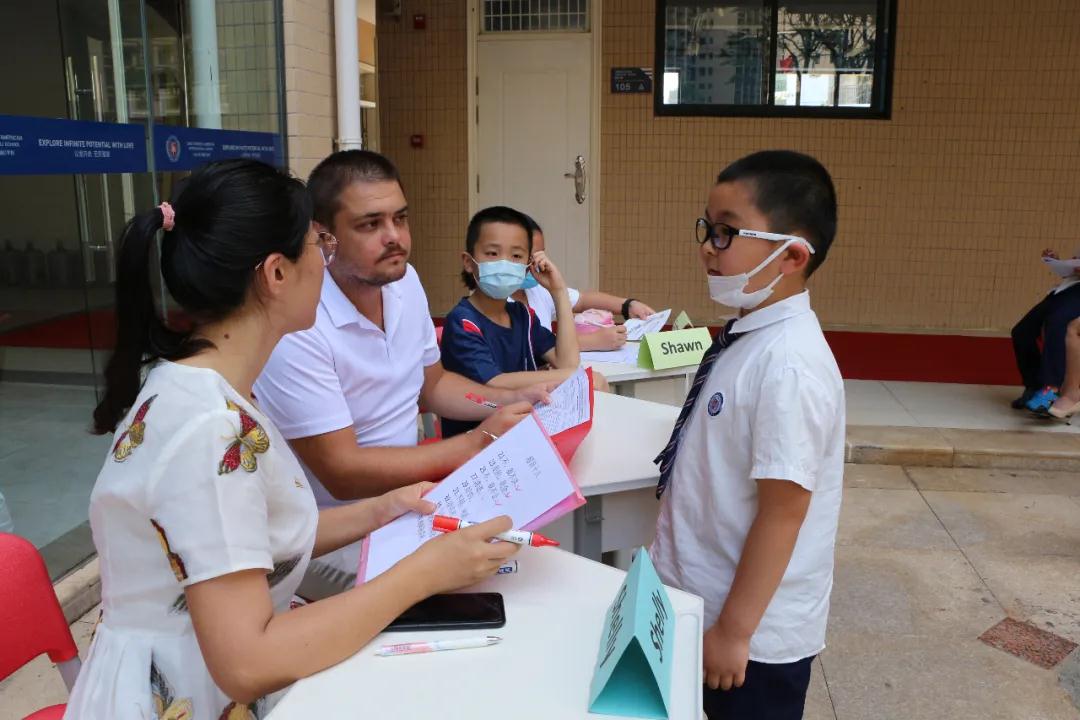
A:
530	282
499	278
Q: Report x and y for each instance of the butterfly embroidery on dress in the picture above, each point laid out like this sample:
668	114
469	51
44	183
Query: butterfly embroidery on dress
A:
175	561
133	436
251	440
166	705
236	711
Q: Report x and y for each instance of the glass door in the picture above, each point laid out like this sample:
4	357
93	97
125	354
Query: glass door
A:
57	260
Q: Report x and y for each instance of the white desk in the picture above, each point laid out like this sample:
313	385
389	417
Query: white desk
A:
614	468
555	607
623	376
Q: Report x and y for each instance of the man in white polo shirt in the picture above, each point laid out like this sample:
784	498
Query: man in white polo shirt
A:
345	392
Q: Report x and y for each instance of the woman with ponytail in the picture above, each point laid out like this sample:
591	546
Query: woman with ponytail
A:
201	515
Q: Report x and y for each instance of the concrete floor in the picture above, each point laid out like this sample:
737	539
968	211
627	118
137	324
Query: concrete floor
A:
927	560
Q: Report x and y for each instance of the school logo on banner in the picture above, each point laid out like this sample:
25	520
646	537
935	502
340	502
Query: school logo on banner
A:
172	148
716	404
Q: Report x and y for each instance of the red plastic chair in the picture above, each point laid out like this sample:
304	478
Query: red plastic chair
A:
31	620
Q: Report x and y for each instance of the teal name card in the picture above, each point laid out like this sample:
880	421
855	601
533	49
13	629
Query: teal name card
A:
633	668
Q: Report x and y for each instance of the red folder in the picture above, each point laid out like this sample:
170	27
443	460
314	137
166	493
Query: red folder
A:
567	441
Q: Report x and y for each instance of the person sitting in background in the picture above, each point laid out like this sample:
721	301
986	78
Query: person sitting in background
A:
491	340
201	515
611	337
1067	403
1043	371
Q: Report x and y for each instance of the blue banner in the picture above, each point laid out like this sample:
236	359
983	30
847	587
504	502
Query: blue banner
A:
184	148
47	146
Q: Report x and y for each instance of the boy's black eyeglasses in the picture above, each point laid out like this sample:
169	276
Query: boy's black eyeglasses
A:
721	235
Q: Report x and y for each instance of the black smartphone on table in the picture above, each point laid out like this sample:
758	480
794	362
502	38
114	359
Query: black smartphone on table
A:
453	611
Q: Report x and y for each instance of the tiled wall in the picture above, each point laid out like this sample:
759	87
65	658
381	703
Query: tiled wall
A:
944	208
422	91
247	50
309	82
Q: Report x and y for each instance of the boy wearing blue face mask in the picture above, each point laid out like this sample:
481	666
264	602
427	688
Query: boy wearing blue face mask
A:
751	477
498	342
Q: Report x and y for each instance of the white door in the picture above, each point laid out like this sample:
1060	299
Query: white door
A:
533	122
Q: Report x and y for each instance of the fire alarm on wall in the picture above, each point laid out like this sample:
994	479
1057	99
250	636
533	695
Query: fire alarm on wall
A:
419	21
416	141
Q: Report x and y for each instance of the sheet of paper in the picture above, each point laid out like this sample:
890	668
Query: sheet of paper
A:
1062	268
520	475
627	355
570	404
637	329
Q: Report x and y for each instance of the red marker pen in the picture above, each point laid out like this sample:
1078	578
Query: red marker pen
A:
481	401
442	523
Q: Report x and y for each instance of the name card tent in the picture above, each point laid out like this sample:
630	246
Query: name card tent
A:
674	348
633	667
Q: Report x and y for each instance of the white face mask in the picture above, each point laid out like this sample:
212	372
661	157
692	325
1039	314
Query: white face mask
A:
728	289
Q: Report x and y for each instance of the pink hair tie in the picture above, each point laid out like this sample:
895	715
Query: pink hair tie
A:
168	216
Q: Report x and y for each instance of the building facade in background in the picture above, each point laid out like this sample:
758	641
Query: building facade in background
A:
104	106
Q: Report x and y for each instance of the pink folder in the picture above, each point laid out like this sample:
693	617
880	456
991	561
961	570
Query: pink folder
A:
565	445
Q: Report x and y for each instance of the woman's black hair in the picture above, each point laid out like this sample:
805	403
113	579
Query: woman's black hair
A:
230	215
495	214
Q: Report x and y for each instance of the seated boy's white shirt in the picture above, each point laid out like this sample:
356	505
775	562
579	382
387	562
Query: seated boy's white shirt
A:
543	303
772	408
345	372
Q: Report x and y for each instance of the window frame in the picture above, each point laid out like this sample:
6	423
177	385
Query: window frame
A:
880	93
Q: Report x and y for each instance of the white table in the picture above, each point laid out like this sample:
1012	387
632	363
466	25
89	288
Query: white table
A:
555	613
623	376
614	468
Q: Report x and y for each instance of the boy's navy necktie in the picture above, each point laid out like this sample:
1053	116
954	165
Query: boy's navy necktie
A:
666	458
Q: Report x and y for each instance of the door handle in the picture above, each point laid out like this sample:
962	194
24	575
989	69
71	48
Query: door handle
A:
580	179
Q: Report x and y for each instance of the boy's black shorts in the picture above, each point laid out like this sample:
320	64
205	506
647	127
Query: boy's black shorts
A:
769	692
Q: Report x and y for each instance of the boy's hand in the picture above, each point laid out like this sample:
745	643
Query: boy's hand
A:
538	393
612	337
546	273
726	655
640	310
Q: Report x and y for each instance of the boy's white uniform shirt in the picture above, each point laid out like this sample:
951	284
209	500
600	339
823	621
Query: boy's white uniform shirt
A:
542	301
771	408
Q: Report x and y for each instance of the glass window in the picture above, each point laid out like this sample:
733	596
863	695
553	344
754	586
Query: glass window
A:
536	15
774	57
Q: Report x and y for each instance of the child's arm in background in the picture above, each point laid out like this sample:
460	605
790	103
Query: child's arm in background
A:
782	507
596	300
565	354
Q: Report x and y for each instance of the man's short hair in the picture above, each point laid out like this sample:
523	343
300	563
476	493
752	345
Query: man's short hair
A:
340	170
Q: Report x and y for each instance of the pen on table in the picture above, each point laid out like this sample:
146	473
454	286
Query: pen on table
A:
481	401
415	648
442	523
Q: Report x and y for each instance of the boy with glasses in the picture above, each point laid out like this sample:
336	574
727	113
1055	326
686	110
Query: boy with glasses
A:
751	479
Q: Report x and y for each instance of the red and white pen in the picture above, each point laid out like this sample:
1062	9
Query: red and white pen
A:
442	523
481	401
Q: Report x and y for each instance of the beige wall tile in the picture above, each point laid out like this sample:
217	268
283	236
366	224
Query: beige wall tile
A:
943	208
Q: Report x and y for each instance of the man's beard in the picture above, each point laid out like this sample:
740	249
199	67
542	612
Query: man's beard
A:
377	278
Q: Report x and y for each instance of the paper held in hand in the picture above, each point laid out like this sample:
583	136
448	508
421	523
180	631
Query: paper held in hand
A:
568	417
1062	268
637	329
521	475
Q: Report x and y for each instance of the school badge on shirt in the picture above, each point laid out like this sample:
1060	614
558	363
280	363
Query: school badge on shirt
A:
716	404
